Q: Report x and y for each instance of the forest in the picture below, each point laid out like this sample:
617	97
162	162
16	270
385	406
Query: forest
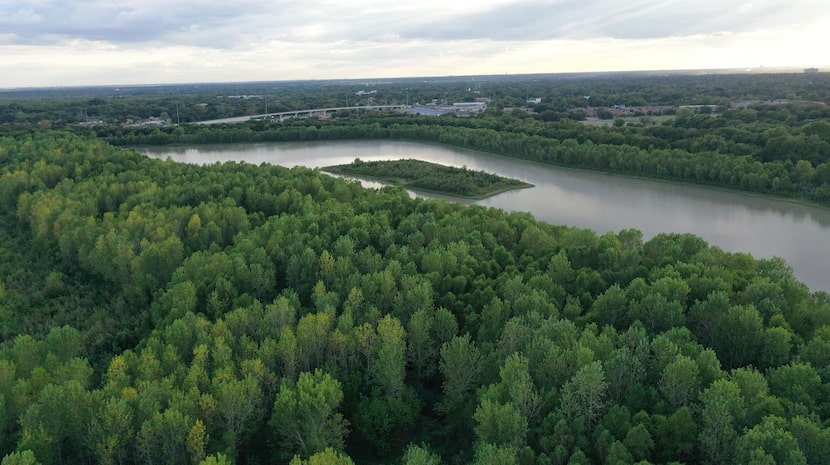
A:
166	313
430	177
161	313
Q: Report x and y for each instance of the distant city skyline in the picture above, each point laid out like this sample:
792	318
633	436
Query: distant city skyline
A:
50	43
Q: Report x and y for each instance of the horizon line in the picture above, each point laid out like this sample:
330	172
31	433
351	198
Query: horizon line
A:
787	69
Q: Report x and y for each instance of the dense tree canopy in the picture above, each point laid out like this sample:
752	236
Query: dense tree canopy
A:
156	312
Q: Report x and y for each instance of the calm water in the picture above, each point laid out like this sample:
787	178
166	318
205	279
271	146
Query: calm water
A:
735	222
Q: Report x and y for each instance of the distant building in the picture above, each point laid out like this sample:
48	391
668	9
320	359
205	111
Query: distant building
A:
810	70
534	100
460	109
151	121
430	110
469	107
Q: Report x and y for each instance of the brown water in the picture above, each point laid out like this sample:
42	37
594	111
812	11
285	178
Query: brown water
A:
733	221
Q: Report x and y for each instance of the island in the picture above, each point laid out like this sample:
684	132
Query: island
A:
431	177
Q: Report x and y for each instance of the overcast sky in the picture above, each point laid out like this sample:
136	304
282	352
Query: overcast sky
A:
91	42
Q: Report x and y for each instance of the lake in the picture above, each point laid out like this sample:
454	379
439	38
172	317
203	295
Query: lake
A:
733	221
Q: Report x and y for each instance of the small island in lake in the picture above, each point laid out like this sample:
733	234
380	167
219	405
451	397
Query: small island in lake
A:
432	177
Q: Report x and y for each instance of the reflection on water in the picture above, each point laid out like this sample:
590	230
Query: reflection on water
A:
732	221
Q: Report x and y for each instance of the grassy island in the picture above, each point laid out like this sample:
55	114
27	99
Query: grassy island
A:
432	177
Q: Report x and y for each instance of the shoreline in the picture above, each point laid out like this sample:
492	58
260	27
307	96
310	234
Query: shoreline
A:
402	183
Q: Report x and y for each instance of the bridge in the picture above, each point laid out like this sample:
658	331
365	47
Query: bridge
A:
315	112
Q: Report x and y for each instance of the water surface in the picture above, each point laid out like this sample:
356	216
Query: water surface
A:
733	221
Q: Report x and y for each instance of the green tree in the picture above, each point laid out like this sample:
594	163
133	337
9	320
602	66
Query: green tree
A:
500	424
618	454
55	426
301	272
389	368
584	395
305	417
380	419
609	308
798	383
772	437
196	443
813	439
657	313
676	437
516	387
328	456
680	381
218	459
560	268
25	457
704	316
312	335
736	352
624	372
288	353
754	390
419	455
460	365
239	403
163	437
112	433
722	411
639	443
491	454
422	350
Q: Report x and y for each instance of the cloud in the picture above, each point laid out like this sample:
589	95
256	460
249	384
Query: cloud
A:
62	42
229	24
630	19
121	21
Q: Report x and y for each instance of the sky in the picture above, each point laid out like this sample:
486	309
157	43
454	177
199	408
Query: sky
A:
118	42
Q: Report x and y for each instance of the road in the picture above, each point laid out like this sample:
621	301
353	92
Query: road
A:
301	113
